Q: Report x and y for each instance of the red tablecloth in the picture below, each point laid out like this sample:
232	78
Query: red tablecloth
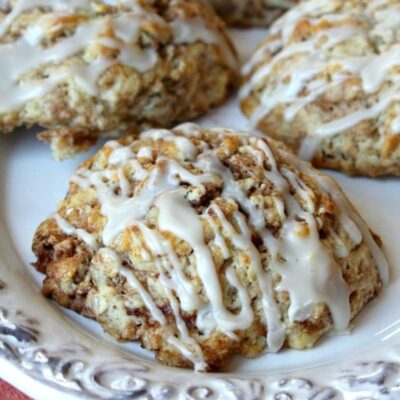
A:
7	392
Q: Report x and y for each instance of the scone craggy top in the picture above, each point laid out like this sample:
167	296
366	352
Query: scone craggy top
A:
330	68
227	243
84	46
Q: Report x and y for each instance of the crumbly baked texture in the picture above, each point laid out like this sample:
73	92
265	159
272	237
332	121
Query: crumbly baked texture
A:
247	13
99	66
202	243
326	81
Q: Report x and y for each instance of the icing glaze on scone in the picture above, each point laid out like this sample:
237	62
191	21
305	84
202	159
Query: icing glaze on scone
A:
257	237
120	33
87	68
316	55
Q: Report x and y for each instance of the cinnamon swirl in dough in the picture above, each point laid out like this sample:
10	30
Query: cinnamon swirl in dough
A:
247	13
326	80
109	65
202	243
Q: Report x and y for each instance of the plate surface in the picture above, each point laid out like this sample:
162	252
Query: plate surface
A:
52	353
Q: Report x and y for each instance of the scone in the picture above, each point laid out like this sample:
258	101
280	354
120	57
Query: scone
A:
204	243
96	65
247	13
326	80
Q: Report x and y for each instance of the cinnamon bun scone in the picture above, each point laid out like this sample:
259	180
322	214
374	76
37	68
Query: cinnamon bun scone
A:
203	243
109	66
326	80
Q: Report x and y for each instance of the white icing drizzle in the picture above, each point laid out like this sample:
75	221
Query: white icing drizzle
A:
305	256
299	82
303	251
178	223
196	31
306	268
342	250
158	246
185	146
26	55
353	119
218	238
396	126
22	6
353	224
67	228
145	152
242	240
182	345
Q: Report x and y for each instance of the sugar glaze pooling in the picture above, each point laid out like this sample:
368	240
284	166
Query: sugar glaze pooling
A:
27	54
300	84
307	260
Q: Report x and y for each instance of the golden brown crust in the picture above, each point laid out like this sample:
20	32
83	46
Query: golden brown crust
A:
88	282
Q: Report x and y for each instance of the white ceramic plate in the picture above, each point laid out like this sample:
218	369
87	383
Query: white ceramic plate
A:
51	353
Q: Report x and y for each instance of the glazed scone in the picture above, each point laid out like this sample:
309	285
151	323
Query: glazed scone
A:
109	66
326	80
247	13
205	243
